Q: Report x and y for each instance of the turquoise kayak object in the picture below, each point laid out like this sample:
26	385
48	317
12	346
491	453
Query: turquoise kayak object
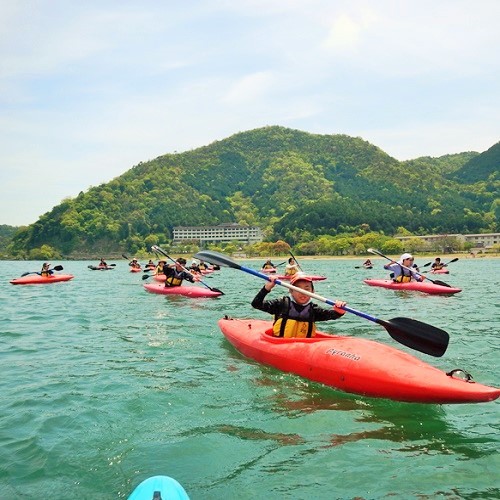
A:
159	488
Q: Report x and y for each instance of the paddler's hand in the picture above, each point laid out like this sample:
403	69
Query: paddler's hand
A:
270	284
338	307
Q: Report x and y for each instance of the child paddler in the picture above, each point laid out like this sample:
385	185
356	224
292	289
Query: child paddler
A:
295	315
176	273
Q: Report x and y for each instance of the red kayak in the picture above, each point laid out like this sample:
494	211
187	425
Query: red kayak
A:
285	277
135	269
419	286
36	279
440	271
187	291
268	270
353	365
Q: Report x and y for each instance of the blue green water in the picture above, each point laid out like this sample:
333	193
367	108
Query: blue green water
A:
103	385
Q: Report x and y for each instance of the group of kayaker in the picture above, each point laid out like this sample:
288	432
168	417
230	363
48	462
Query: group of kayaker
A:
291	267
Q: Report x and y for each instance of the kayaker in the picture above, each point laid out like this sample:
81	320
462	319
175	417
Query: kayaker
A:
133	263
176	273
402	271
159	267
201	265
194	268
151	265
268	265
367	263
292	267
437	264
102	263
46	271
295	315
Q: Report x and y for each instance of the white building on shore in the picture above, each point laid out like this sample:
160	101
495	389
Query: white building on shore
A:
479	241
218	234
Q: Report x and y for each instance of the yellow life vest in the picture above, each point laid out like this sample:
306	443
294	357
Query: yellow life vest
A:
294	324
173	280
403	279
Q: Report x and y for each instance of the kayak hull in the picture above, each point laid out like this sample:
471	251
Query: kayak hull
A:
419	286
100	268
186	291
268	270
353	365
440	271
168	487
36	279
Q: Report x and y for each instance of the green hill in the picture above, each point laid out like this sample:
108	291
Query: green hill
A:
291	183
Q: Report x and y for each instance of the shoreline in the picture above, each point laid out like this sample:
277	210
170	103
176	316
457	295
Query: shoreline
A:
427	256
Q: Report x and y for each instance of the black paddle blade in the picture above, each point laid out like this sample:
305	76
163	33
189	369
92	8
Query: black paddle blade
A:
439	282
124	256
146	276
417	335
58	268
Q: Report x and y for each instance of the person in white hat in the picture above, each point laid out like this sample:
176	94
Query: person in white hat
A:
46	271
403	269
295	315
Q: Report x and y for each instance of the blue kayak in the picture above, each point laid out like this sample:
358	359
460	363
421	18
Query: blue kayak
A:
159	488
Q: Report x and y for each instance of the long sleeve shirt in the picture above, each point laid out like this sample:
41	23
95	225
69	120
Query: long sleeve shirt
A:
275	307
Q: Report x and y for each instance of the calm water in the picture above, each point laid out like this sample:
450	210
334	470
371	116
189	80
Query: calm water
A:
103	385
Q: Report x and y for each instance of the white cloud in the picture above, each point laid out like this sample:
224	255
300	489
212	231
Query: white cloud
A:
89	89
250	88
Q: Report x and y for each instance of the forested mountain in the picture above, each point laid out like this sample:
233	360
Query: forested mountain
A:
480	168
295	185
6	233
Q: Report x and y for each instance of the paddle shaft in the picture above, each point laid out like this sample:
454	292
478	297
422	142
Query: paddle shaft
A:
412	333
55	268
305	292
293	257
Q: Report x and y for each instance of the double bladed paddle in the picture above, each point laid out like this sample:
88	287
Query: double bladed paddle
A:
409	332
436	282
296	261
449	262
55	268
156	248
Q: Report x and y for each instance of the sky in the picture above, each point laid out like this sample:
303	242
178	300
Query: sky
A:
89	89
